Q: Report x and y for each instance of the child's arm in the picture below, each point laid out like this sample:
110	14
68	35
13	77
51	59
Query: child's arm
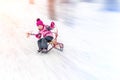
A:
36	35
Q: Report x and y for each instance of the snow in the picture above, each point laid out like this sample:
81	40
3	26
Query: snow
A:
92	45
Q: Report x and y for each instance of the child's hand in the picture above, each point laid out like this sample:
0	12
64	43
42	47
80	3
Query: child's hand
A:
28	34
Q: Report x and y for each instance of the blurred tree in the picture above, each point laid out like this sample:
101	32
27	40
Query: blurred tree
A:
51	9
31	1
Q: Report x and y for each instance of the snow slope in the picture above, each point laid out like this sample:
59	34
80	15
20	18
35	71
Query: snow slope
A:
91	47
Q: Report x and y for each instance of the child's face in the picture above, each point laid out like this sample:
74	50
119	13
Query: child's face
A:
40	27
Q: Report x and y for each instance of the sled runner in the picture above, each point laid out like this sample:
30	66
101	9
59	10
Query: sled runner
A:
57	46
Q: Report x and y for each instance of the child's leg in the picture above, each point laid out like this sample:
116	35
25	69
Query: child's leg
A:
49	38
43	43
39	43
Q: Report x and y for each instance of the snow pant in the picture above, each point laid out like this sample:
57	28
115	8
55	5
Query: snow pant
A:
43	42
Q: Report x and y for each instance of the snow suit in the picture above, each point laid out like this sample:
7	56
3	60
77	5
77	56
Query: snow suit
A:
44	35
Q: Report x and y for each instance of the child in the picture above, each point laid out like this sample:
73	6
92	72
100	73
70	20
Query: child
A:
44	35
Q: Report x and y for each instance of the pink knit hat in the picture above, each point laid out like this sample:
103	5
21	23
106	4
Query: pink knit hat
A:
39	22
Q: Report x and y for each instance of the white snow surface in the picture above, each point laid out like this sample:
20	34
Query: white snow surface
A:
91	52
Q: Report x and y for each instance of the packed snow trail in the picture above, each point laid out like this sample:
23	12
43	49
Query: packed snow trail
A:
19	58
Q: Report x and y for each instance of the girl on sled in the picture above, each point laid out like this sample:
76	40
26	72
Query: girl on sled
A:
45	35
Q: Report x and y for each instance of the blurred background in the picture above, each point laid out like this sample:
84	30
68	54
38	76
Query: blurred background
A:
89	29
68	11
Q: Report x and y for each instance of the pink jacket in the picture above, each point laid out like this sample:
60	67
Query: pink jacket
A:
43	33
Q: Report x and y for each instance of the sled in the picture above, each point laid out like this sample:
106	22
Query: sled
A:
55	45
58	46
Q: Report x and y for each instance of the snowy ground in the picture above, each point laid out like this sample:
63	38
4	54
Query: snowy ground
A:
92	46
